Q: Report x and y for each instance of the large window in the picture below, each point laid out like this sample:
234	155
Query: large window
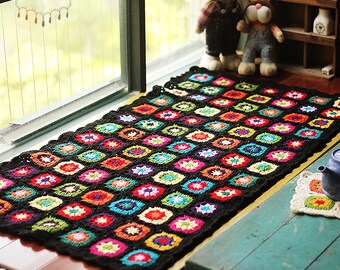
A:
44	69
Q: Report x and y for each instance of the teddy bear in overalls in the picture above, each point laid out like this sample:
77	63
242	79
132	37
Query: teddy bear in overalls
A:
219	19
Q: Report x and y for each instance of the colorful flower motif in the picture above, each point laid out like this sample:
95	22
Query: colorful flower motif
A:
181	147
156	140
45	180
316	186
337	103
221	102
89	138
197	186
297	95
226	143
331	113
246	107
126	206
137	151
263	167
148	191
269	91
191	120
155	215
145	109
177	200
321	123
234	94
246	86
115	163
319	203
4	206
200	136
232	116
78	237
225	193
21	216
207	111
91	156
20	193
235	160
253	149
270	112
186	224
45	203
168	115
308	109
268	138
175	130
280	155
126	118
309	133
50	224
22	171
162	100
163	241
204	208
120	183
132	231
222	81
140	257
259	99
150	124
68	167
211	90
296	118
5	183
200	77
44	159
111	144
67	149
217	126
74	211
284	103
208	153
184	106
198	97
93	176
108	247
69	190
189	164
108	128
101	221
256	121
319	100
131	134
295	144
283	128
142	170
177	92
97	197
168	177
243	180
216	173
162	158
243	132
189	85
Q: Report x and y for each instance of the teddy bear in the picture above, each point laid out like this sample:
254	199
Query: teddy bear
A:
262	33
219	19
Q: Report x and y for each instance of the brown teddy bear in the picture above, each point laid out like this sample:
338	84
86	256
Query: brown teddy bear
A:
262	33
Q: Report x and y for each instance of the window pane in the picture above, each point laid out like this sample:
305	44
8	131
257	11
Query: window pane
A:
43	65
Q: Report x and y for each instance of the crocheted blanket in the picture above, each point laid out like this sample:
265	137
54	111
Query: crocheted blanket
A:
145	184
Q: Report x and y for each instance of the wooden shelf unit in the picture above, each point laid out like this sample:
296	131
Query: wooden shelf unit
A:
304	52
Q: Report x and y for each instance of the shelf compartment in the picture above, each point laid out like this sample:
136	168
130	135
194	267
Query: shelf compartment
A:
297	33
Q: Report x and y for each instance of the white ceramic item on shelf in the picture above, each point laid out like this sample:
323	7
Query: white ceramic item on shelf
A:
323	23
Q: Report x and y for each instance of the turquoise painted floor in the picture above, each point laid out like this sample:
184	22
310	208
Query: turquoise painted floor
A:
272	237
